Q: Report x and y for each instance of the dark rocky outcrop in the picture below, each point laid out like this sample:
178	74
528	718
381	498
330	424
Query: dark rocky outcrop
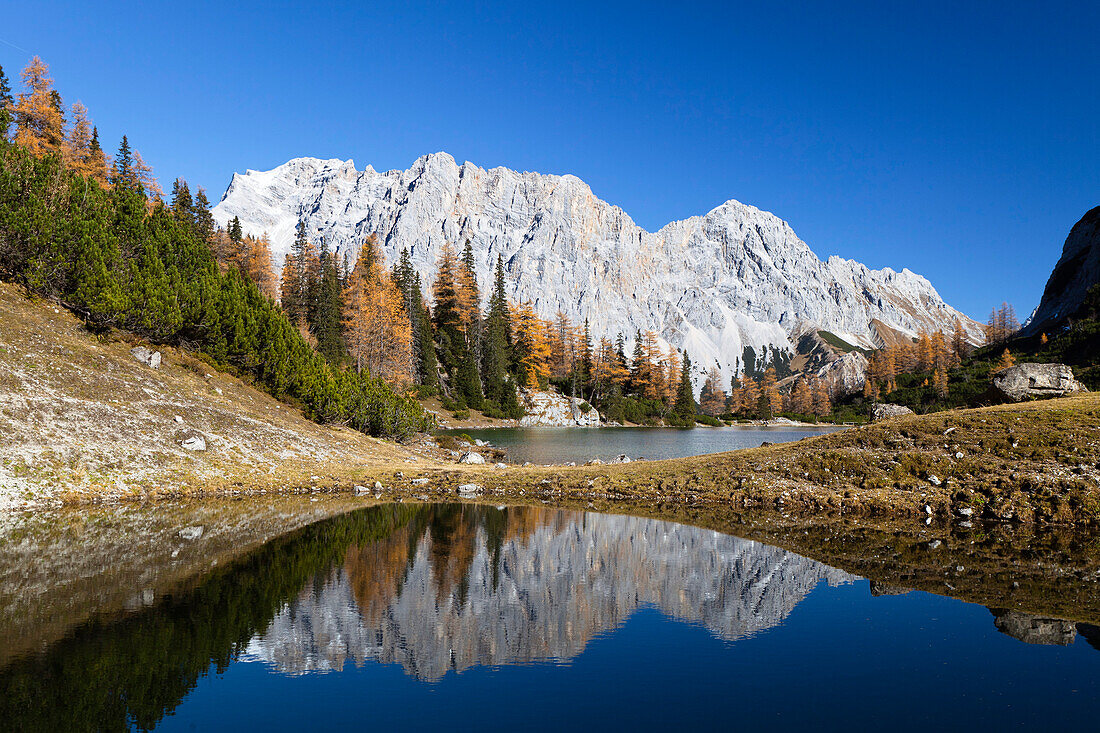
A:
1034	381
1077	270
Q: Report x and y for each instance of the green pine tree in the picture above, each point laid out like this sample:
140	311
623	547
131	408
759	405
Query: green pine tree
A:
5	105
685	407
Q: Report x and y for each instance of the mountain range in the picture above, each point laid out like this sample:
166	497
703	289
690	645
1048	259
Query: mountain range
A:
735	288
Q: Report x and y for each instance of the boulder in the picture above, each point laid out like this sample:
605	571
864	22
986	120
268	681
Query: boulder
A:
147	357
191	440
884	411
191	533
470	490
471	457
1034	629
1031	381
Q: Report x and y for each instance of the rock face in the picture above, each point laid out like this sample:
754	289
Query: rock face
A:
883	411
552	409
727	287
1077	270
1035	381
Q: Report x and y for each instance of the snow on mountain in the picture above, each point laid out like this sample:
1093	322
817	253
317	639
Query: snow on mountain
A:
715	285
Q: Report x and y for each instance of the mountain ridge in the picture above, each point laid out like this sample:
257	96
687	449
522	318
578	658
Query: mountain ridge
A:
729	286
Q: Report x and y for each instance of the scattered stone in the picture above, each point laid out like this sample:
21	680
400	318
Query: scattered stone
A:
419	481
935	545
472	458
571	463
360	490
526	464
145	356
178	419
191	533
950	430
623	458
191	440
470	489
766	443
500	465
966	525
594	462
959	454
884	411
411	459
927	508
966	512
1028	381
480	443
934	480
378	486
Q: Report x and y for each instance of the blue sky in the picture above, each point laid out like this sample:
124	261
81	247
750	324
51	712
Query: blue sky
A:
957	139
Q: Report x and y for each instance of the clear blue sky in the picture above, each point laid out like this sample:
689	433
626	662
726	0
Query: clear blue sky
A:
961	140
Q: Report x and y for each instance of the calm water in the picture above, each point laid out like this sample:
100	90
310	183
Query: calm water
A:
464	617
561	445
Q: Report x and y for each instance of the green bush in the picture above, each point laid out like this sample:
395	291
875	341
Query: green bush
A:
708	420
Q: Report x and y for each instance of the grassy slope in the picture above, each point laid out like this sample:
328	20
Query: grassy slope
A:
80	418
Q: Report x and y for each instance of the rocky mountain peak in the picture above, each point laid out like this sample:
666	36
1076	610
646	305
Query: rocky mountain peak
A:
730	287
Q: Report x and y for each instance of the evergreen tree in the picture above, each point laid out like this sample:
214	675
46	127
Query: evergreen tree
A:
202	219
495	356
122	173
5	105
685	406
326	325
98	169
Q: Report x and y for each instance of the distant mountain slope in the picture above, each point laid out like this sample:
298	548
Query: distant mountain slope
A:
1077	270
729	286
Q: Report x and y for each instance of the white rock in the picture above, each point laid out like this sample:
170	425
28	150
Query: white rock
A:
194	443
927	509
473	458
145	356
959	454
934	480
500	465
191	533
378	486
966	512
713	285
418	481
361	490
178	419
470	489
949	431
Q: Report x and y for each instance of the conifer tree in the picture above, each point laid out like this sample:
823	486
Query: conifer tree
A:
122	172
377	330
771	391
202	218
39	124
5	105
822	402
98	167
497	346
451	297
326	325
712	398
685	406
802	398
76	149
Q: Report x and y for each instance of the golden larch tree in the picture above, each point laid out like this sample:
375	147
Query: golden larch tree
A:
377	329
39	126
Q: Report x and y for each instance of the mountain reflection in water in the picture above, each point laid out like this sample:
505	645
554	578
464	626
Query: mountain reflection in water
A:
396	597
463	585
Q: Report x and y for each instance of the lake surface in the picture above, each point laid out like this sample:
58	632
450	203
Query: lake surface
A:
561	445
466	617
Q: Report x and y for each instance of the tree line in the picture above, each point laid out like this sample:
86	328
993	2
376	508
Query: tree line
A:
93	233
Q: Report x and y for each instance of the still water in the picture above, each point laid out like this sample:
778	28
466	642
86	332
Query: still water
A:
545	446
464	617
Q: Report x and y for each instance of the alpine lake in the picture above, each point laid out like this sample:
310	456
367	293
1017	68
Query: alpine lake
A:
299	612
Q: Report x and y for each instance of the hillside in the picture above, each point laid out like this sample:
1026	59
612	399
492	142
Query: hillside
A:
733	288
82	419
